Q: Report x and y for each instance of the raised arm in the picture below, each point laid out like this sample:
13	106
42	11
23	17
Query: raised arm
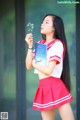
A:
29	57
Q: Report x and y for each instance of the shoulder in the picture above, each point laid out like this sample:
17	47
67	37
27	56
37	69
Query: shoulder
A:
57	44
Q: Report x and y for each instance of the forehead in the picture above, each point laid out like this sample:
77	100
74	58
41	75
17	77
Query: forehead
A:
48	18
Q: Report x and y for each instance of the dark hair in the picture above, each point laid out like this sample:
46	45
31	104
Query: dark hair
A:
60	34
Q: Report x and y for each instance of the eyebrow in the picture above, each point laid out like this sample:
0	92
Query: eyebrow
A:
46	20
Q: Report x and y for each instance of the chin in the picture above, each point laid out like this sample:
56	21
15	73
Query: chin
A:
42	32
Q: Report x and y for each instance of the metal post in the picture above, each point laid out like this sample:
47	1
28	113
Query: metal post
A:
20	60
78	59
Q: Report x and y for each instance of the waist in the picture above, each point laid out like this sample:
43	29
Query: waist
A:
49	81
43	76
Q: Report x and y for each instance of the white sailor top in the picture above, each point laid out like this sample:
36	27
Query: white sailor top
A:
55	51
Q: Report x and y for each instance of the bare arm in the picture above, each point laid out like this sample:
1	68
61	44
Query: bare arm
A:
29	57
45	69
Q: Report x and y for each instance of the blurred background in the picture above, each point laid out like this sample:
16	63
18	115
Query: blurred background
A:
10	46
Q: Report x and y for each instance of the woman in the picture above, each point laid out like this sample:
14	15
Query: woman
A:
54	83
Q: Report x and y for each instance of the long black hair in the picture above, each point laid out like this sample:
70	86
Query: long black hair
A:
60	34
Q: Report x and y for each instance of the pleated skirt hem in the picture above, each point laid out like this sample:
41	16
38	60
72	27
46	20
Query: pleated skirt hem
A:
51	94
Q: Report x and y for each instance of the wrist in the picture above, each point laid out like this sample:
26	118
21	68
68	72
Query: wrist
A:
30	47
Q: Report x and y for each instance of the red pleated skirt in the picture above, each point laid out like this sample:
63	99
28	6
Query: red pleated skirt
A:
51	93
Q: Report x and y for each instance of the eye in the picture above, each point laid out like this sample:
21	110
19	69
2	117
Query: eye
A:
47	22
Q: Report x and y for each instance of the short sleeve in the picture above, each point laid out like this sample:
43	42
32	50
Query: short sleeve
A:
56	52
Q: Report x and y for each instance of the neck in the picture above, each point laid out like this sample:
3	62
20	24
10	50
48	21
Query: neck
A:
49	38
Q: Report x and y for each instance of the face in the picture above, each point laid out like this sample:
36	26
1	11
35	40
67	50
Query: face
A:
47	25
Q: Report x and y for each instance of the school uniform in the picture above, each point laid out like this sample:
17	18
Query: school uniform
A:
51	92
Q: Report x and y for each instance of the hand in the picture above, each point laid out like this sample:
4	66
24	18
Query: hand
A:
29	40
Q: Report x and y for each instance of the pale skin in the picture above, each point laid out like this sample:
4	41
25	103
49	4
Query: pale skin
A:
47	29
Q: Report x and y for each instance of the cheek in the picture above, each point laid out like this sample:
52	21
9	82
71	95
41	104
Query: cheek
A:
47	29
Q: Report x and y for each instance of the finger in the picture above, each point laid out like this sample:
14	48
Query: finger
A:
29	38
28	35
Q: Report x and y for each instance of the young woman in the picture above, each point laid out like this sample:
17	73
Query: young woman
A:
54	83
